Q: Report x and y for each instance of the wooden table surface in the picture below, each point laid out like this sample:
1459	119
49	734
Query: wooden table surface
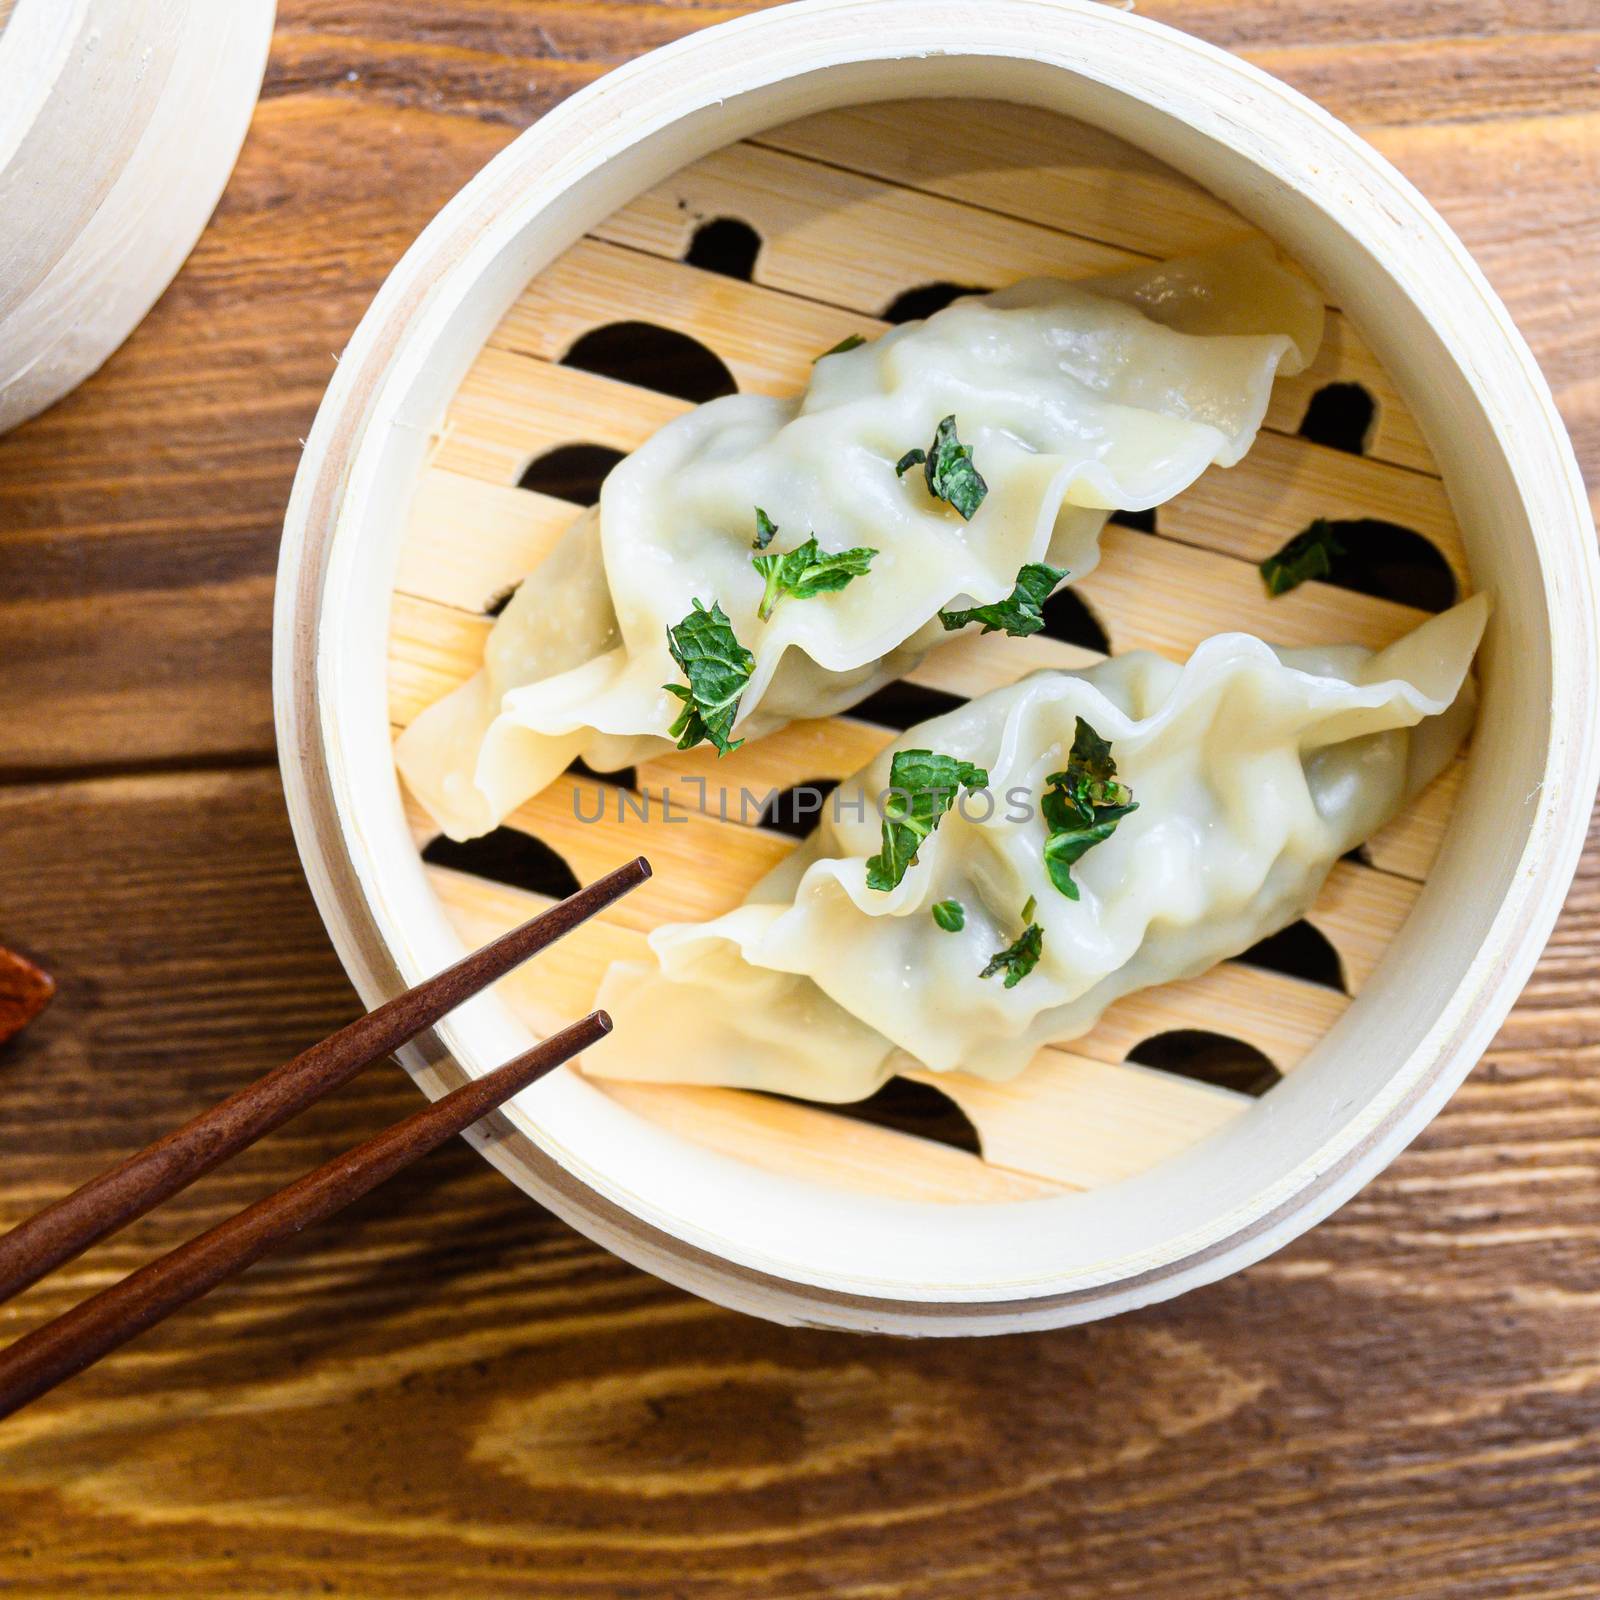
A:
455	1394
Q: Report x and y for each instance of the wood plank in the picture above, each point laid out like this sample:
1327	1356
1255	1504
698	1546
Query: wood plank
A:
1519	199
455	1395
1469	74
168	996
1454	60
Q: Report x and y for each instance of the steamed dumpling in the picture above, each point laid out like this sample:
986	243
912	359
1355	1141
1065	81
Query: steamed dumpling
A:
1254	770
1076	399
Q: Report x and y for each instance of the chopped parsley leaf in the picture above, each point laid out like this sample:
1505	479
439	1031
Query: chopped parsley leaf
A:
951	915
1019	959
808	571
766	530
851	341
1022	613
1082	806
922	787
948	467
718	667
1308	555
1029	909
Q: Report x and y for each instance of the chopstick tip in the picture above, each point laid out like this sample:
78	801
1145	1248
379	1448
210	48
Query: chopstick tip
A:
602	1021
642	866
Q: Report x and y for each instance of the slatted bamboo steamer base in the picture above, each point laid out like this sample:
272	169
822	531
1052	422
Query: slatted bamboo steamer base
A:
760	192
825	248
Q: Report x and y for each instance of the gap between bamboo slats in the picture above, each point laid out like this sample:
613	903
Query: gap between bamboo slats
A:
1036	165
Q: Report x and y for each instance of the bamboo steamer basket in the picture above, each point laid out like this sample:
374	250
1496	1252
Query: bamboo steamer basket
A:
871	148
120	121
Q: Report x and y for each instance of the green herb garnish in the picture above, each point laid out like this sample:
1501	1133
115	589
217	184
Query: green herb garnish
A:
1019	959
766	530
718	667
851	341
1088	785
1308	555
922	787
1022	613
951	915
1028	911
1082	806
808	571
949	470
1063	850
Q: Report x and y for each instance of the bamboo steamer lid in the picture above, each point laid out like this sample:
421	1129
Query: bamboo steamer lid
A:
120	121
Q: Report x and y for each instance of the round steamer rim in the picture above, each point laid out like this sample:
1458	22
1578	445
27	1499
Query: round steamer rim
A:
667	109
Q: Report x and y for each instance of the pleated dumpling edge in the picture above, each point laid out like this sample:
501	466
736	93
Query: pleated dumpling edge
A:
1254	771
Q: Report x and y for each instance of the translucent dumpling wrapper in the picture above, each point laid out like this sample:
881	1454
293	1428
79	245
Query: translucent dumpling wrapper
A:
1076	398
1255	769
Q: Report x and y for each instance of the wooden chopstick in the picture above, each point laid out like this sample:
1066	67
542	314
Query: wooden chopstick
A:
74	1340
132	1187
58	1350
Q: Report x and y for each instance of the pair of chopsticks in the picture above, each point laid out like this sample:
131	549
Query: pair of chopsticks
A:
41	1359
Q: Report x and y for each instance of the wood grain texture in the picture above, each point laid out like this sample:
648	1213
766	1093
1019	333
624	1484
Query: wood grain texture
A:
458	1396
